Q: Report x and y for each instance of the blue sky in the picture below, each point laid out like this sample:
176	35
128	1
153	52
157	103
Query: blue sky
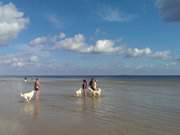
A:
90	37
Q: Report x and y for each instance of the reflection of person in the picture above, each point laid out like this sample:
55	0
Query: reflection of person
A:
37	87
84	87
32	109
36	109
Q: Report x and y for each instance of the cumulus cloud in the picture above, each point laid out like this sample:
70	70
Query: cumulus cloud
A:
147	52
39	41
62	35
12	22
169	9
114	15
38	52
161	55
78	44
105	46
18	61
12	61
136	52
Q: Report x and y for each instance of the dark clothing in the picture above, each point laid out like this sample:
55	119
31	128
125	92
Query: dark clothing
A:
37	85
84	85
92	84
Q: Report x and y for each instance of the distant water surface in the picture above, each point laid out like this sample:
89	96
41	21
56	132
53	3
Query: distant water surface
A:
137	105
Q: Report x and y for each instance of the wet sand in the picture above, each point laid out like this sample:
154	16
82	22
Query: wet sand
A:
127	107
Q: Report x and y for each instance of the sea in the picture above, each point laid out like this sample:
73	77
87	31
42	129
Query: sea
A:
129	105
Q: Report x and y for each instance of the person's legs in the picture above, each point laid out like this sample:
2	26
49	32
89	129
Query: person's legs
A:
85	92
37	94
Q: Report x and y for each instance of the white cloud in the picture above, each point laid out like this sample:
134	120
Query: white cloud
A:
147	52
12	22
12	60
78	44
39	41
16	60
18	64
161	55
34	59
105	46
135	52
57	37
114	15
62	35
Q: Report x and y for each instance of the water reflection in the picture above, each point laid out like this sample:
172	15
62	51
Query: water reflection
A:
81	104
87	104
32	108
96	102
28	108
36	109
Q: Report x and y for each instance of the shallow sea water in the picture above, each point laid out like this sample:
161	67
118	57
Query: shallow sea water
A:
127	107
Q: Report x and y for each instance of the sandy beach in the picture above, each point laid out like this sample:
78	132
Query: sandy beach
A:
127	107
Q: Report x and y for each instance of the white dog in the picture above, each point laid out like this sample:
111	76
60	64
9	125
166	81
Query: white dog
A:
28	95
91	92
78	92
95	92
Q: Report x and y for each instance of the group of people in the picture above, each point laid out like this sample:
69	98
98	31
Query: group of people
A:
86	89
92	86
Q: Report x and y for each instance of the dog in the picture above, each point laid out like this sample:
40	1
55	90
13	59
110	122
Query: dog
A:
27	95
95	92
91	92
78	92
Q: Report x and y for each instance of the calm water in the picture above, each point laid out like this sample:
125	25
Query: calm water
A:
129	106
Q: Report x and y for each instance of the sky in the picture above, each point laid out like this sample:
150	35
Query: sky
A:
89	37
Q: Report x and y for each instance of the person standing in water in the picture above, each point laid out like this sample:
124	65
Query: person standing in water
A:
93	84
84	87
37	88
